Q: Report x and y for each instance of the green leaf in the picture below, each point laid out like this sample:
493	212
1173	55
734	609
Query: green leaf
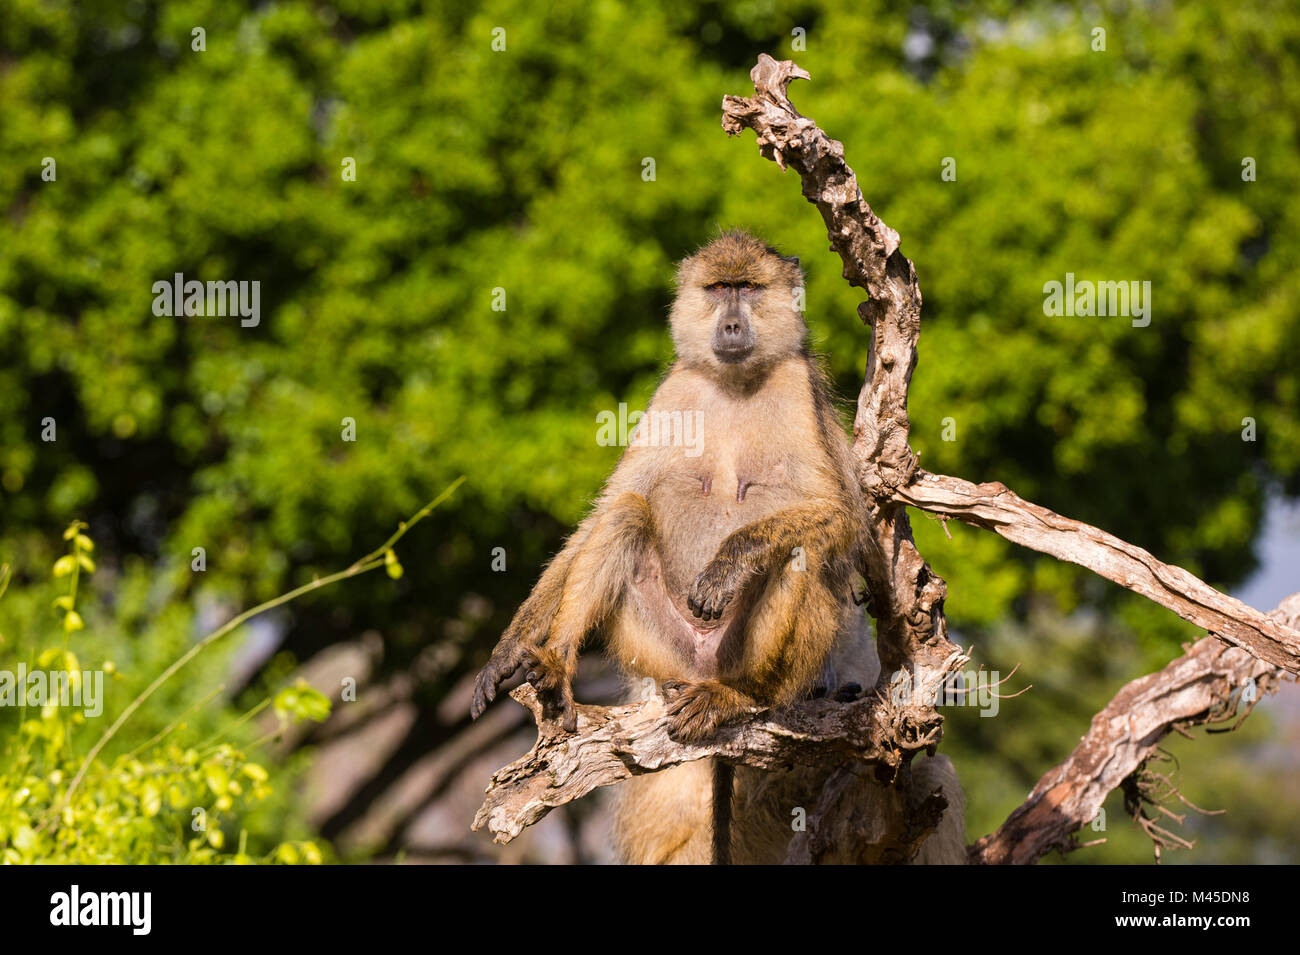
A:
151	799
217	779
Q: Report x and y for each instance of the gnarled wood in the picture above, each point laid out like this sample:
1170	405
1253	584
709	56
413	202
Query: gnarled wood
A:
1205	685
614	743
995	507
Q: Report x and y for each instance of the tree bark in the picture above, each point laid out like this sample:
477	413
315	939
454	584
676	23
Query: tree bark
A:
1204	685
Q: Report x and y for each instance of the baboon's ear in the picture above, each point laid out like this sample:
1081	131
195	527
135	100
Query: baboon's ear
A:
792	259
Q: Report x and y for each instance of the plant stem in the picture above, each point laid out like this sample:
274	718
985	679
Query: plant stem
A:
174	723
239	722
370	562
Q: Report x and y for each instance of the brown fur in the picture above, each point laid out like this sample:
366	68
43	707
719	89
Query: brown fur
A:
727	575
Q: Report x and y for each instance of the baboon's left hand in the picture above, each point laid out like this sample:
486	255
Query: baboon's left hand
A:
715	587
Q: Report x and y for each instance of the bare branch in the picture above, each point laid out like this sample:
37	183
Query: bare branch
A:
1205	685
614	743
994	507
872	262
908	597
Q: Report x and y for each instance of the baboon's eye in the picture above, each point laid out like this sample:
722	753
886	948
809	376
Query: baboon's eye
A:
748	285
716	286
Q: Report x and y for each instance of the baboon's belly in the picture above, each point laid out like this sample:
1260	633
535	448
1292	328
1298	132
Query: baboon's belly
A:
693	509
656	635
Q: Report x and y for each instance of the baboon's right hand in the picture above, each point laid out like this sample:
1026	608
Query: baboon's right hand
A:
504	663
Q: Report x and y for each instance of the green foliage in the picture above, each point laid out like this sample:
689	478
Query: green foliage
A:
175	796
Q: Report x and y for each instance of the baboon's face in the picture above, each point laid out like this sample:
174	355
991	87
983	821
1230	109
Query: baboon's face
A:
736	305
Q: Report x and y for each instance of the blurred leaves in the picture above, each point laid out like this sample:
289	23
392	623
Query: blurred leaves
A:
168	798
520	170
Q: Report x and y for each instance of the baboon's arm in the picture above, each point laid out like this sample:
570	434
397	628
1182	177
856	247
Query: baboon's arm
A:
820	527
578	589
599	574
531	622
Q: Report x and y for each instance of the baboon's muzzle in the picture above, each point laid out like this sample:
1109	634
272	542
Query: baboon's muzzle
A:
733	338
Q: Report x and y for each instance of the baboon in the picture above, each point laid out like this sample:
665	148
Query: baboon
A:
721	569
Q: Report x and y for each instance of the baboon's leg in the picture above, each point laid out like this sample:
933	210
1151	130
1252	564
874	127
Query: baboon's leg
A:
820	529
790	633
792	628
665	817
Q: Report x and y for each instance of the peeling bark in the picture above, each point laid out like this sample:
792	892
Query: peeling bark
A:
995	507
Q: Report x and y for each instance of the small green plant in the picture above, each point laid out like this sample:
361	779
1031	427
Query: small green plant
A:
174	798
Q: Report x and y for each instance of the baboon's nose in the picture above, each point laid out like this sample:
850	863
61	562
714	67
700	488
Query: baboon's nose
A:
733	339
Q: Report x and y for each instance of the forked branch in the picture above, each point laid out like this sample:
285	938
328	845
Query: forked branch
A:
995	507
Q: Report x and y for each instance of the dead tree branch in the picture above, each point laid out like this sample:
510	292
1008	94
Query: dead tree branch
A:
995	507
614	743
1204	685
911	632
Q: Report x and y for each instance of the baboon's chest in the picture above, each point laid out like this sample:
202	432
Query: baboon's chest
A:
735	481
737	485
747	458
